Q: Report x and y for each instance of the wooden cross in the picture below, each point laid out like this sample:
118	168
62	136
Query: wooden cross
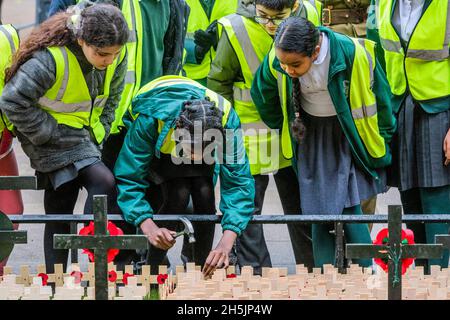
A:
100	242
9	236
394	252
443	239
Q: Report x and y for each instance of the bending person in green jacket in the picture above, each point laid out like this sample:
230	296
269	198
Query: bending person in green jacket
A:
341	121
180	132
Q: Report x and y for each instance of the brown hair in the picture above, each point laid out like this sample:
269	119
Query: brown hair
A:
100	25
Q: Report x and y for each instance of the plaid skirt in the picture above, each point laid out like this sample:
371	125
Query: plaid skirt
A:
417	148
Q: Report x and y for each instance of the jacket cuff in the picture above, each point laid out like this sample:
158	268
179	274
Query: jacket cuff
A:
233	228
140	219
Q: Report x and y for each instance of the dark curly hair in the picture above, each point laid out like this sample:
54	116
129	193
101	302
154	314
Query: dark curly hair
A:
200	111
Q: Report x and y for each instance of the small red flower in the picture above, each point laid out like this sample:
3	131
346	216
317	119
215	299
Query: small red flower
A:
162	278
44	277
77	275
382	238
112	276
231	275
113	230
126	276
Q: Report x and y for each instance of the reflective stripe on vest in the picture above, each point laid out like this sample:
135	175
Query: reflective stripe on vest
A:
426	66
131	10
69	100
362	99
199	20
313	10
9	43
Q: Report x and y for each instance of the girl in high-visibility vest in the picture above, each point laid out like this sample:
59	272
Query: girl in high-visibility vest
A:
340	118
60	96
414	37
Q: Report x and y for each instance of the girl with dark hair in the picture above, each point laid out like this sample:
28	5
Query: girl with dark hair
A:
60	96
336	100
169	144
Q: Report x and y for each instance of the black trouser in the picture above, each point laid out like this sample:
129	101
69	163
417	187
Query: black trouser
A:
175	195
98	180
251	245
110	153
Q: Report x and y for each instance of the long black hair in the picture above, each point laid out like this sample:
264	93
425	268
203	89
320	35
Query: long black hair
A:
297	35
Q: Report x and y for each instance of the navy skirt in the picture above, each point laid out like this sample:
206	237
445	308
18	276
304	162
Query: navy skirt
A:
329	179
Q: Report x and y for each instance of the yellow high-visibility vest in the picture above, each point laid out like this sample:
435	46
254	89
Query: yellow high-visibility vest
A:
9	43
69	100
424	67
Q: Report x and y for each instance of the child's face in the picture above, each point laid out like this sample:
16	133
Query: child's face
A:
296	64
100	58
270	19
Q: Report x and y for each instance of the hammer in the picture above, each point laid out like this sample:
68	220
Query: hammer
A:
188	230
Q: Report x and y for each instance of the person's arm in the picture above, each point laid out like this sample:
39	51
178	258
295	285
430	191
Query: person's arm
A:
266	97
237	190
386	119
225	69
131	171
59	5
115	94
19	99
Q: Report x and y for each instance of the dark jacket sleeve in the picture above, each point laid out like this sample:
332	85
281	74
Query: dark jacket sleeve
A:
265	96
21	94
175	37
225	69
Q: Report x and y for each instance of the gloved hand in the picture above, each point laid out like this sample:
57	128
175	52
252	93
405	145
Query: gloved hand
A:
205	39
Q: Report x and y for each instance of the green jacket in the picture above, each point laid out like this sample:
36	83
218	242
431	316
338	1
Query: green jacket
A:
431	106
132	168
266	98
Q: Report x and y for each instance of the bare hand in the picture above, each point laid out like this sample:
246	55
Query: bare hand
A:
161	238
447	148
219	257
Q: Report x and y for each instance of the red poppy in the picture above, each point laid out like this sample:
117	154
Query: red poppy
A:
382	238
113	230
112	276
126	276
231	275
77	275
44	277
162	278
